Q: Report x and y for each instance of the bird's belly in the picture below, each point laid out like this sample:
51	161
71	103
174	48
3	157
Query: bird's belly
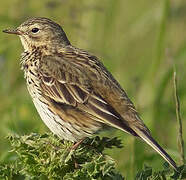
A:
59	127
56	124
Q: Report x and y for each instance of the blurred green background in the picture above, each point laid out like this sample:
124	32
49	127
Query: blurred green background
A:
138	41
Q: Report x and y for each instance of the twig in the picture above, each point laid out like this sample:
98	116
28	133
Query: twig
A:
178	117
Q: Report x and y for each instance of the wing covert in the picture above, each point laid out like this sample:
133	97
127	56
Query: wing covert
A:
62	82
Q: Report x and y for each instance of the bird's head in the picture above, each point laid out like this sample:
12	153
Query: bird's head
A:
39	31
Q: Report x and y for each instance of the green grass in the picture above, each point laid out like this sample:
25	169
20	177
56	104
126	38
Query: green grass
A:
138	41
47	157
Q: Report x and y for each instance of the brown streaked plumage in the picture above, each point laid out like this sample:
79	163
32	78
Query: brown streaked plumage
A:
71	89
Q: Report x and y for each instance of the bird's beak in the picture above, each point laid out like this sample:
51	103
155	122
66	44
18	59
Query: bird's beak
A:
12	31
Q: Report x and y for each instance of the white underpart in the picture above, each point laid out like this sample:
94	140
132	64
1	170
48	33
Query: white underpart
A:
57	125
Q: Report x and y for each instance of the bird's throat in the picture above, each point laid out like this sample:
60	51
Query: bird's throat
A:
25	43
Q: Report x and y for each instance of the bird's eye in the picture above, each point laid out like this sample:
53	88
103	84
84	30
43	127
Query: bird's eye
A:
35	30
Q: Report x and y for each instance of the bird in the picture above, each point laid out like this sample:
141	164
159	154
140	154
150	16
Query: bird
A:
73	92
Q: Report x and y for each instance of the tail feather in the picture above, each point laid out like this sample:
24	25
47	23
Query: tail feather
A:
149	140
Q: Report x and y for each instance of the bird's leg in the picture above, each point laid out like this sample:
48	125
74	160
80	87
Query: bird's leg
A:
75	146
76	165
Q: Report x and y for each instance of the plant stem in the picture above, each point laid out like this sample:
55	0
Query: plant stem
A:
179	120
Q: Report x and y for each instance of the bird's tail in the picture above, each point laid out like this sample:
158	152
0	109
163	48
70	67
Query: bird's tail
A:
149	140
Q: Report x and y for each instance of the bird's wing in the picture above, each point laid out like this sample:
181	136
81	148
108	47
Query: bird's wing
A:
79	82
69	80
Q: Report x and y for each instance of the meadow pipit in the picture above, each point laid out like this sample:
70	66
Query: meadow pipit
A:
71	89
